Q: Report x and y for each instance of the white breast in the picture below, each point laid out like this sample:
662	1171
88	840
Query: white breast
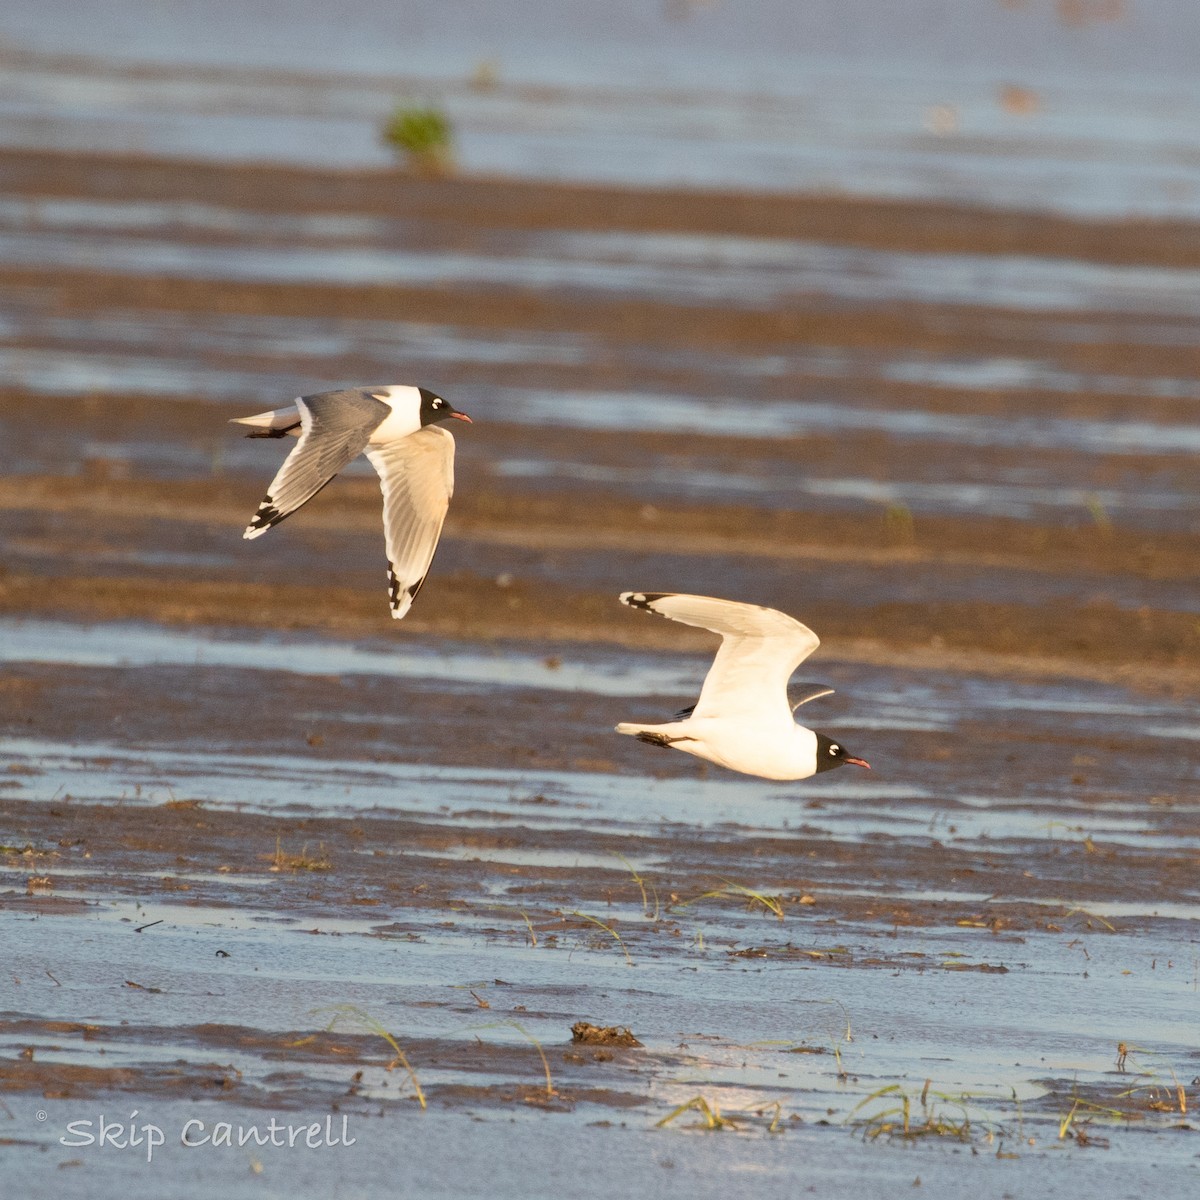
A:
766	749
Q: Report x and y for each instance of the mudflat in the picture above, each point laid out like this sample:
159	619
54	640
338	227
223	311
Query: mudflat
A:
272	856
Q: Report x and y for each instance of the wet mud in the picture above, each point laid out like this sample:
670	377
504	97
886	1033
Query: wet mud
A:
265	851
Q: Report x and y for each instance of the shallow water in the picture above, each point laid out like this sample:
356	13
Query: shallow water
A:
1026	490
448	835
879	704
908	1025
735	272
140	645
677	94
1165	509
849	811
654	411
161	341
437	889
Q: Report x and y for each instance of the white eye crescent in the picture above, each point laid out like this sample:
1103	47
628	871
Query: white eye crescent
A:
437	404
835	749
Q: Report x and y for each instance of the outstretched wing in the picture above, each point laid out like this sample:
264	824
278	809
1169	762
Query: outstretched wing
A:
417	477
760	648
335	428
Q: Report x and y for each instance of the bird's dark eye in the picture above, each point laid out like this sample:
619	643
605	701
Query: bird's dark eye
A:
835	749
437	404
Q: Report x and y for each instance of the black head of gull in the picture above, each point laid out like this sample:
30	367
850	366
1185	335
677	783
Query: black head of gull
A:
435	408
832	754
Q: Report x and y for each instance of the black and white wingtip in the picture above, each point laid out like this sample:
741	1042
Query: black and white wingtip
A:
643	600
262	520
400	598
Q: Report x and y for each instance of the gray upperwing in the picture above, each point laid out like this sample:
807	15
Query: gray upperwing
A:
337	427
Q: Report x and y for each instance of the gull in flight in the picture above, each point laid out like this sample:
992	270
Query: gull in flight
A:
398	429
743	719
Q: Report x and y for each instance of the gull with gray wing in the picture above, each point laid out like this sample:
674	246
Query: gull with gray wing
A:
743	719
398	429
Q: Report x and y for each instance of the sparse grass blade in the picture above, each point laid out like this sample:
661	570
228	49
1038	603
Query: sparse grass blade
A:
550	1091
1065	1123
641	883
836	1038
1180	1093
848	1034
298	862
899	1120
529	926
607	929
888	1090
713	1119
351	1012
772	904
1091	916
509	909
710	1112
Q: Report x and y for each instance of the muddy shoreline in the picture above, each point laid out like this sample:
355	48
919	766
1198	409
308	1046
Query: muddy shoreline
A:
520	204
239	805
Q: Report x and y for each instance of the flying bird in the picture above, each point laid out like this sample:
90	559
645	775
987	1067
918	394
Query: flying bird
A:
743	719
398	429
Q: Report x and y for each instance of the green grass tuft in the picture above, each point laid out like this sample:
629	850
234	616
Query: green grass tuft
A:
424	135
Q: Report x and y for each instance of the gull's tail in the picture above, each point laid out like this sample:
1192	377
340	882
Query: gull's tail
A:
275	424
